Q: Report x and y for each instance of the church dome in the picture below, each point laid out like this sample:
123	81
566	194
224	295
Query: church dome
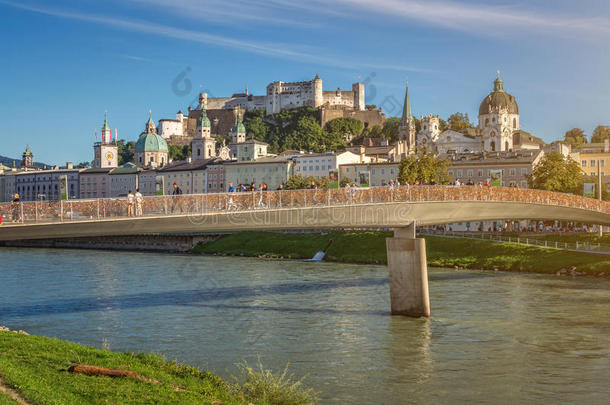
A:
149	140
239	127
498	100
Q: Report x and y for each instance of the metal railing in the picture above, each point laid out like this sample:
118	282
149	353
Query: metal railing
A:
524	240
200	204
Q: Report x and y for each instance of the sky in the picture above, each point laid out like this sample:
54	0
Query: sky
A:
64	63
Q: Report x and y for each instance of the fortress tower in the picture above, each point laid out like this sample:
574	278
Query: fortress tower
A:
105	153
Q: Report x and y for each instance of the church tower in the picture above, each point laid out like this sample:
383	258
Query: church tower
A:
203	146
238	132
27	158
498	118
406	129
105	153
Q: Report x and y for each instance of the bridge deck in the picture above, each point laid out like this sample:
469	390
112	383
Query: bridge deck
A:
329	208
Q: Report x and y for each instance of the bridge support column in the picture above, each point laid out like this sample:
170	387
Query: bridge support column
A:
408	273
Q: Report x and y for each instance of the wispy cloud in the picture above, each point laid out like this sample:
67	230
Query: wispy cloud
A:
481	17
273	49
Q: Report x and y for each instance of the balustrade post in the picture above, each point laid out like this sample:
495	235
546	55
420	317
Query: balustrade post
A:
21	209
329	195
36	213
98	208
61	210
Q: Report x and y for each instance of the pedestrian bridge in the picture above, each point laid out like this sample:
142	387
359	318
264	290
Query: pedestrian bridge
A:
376	207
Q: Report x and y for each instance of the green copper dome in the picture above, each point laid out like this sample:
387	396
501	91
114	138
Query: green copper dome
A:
239	127
149	140
498	100
203	120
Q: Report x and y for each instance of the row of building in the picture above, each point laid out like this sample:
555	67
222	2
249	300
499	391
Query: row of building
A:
496	145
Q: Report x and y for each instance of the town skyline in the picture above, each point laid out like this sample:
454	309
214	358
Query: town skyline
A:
129	81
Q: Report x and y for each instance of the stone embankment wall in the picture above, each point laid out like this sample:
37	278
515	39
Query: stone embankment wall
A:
159	243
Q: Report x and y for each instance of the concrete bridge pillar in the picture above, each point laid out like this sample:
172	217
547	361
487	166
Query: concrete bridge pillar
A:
408	273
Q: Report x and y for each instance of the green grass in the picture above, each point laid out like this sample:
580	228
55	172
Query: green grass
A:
6	400
35	366
369	247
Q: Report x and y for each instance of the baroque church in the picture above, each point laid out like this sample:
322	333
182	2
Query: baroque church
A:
498	128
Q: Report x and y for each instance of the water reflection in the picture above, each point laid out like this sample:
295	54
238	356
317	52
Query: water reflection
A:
493	337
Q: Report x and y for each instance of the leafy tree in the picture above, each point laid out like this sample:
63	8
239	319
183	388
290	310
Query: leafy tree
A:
370	107
255	125
576	137
125	151
555	172
459	121
442	125
345	127
423	168
83	165
390	129
176	152
345	181
600	134
299	182
376	131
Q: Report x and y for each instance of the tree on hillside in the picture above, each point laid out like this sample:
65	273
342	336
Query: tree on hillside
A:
376	131
177	152
600	134
442	125
390	129
347	128
555	172
423	168
576	137
125	151
83	165
256	127
459	121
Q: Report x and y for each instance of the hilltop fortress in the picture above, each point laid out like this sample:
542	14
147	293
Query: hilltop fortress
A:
223	111
288	95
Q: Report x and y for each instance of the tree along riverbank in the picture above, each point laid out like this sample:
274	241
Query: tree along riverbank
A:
42	370
369	247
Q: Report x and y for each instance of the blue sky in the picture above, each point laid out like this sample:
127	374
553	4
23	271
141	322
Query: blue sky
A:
65	62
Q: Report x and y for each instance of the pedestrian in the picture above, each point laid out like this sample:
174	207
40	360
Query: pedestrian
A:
130	202
280	187
313	185
231	188
139	200
486	183
457	182
176	193
16	208
265	187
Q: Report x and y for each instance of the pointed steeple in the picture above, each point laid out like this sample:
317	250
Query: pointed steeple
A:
105	127
406	108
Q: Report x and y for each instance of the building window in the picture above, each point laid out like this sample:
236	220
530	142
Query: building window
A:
601	163
592	163
584	163
523	171
512	172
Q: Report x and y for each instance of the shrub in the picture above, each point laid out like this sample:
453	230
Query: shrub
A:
262	386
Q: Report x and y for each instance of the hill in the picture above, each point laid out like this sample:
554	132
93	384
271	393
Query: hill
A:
6	161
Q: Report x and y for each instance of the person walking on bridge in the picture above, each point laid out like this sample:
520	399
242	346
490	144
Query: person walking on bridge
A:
176	193
130	203
139	200
16	208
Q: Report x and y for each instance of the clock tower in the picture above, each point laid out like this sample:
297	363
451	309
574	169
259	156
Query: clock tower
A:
105	152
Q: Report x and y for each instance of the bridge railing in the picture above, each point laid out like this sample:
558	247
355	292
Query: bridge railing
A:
200	204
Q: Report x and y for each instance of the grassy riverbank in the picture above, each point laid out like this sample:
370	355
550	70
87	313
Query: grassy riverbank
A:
36	368
369	247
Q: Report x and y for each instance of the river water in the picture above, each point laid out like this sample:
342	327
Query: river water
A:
493	337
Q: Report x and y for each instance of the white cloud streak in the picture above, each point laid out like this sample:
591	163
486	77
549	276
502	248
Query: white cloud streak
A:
279	50
484	19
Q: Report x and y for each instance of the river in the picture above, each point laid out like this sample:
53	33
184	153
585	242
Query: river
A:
494	337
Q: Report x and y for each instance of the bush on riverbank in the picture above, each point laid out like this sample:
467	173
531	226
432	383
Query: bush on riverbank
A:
36	367
369	247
